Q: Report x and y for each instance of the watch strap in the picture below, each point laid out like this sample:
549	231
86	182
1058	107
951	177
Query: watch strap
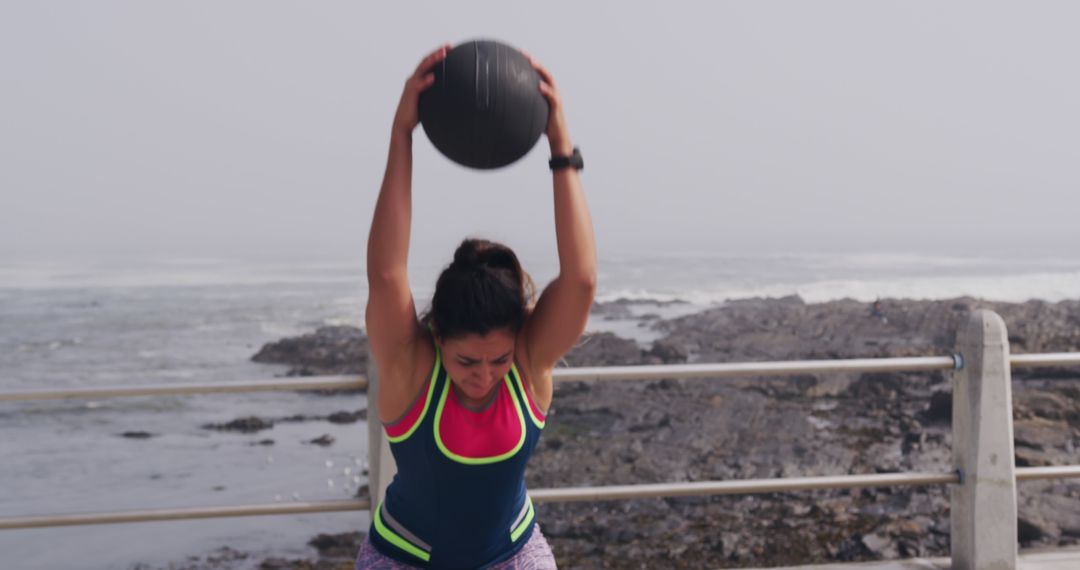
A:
574	160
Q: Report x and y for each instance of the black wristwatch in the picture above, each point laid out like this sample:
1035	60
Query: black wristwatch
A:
573	161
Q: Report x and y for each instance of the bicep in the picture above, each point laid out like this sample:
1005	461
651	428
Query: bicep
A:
390	317
557	321
393	334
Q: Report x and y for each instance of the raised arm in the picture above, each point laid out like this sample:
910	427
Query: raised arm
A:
563	309
392	325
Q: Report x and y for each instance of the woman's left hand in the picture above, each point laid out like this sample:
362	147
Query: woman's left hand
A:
408	115
557	133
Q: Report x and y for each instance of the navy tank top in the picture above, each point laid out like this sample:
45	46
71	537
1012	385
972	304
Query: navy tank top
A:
458	499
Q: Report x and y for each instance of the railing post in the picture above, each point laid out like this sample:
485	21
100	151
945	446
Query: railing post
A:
983	504
381	466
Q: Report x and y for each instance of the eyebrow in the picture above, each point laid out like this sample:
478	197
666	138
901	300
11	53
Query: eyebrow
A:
471	359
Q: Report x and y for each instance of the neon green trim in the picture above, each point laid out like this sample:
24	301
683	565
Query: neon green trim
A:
477	460
427	401
516	533
521	386
396	540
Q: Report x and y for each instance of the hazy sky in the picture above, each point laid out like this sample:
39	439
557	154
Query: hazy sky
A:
259	128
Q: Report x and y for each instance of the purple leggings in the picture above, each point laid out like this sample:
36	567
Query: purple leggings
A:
535	555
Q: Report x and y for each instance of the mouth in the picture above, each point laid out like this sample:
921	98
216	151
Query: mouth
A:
478	387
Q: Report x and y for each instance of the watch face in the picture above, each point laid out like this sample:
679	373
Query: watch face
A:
572	161
576	161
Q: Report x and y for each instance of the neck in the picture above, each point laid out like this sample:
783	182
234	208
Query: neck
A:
476	404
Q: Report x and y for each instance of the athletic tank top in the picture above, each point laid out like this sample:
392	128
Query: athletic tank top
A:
458	499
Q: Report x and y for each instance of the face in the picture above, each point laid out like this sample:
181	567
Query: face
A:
478	363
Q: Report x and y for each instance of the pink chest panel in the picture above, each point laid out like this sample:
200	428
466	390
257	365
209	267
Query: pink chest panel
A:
492	434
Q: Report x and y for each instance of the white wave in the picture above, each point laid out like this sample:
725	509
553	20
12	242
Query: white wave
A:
172	273
1047	286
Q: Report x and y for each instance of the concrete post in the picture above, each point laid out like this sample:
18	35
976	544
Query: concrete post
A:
381	465
983	505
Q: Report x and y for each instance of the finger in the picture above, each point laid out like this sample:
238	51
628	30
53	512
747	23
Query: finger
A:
544	73
432	58
549	93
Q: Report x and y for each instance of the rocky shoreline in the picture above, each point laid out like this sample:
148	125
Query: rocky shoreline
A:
625	432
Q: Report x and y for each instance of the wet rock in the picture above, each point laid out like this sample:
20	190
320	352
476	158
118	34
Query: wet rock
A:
137	435
323	440
347	417
249	424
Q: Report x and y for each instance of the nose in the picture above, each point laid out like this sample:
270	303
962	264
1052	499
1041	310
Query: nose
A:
487	372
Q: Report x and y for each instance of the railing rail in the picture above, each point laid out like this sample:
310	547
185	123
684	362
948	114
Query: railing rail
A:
276	385
577	374
555	495
79	519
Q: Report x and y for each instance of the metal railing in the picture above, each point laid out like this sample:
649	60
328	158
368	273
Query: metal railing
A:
982	432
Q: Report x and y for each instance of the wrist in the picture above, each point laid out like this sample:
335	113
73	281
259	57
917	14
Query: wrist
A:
401	134
572	161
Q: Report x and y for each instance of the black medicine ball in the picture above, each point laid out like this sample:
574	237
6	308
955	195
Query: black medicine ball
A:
485	109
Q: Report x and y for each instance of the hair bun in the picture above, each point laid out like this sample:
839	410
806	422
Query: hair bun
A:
467	254
481	254
483	288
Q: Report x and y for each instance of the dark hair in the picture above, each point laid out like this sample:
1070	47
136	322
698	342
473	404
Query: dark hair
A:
484	289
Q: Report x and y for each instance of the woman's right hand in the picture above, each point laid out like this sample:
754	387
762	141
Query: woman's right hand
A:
408	113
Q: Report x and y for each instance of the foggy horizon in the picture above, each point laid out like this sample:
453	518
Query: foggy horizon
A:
259	130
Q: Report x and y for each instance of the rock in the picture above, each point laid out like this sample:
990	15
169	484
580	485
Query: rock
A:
940	408
334	350
323	440
665	352
137	435
243	425
1042	434
1047	405
603	349
877	388
347	417
1027	457
1034	530
632	432
881	547
611	310
344	545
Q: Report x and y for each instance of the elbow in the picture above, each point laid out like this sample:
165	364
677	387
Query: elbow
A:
586	283
385	279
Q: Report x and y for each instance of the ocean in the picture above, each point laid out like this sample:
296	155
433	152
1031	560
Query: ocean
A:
75	324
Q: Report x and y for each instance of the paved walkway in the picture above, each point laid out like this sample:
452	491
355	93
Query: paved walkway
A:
1056	559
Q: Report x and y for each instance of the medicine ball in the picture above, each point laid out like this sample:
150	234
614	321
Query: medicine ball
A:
485	109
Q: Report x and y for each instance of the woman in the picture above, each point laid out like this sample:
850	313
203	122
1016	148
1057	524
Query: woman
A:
463	391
